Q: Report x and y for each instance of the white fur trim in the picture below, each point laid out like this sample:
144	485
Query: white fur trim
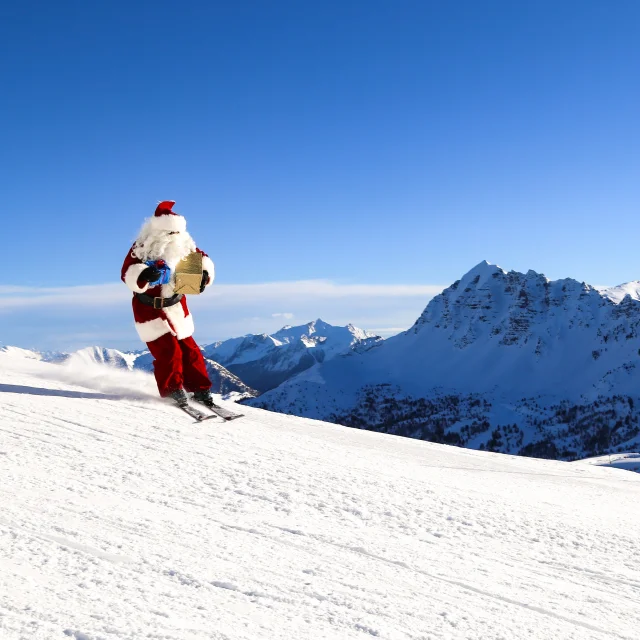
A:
169	289
208	266
168	223
132	275
153	329
182	326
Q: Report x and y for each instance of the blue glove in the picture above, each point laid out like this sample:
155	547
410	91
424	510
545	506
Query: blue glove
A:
163	270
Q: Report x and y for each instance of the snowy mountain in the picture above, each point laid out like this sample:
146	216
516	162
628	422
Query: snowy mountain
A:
266	361
509	362
89	354
616	294
17	352
123	520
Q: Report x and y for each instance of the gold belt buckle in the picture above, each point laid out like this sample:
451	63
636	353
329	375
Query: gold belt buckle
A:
158	303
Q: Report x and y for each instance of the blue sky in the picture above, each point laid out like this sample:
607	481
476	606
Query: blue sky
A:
386	144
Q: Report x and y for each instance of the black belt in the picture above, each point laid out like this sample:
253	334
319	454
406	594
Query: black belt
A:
159	303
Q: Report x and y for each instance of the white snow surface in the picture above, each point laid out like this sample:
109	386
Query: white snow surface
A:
121	520
629	461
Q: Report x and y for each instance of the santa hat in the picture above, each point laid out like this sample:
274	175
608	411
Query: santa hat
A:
166	220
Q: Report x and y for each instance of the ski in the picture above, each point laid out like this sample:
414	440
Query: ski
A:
223	413
196	414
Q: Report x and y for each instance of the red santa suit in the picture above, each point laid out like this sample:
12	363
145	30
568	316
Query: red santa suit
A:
166	328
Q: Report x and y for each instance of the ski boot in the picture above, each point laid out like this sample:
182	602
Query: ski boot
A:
204	397
180	397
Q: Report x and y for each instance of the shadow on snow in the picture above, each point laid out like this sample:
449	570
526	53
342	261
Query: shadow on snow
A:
41	391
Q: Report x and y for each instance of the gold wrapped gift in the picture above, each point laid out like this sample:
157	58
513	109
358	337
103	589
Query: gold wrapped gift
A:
189	274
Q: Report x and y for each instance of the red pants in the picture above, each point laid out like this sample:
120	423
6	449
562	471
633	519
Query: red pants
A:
178	364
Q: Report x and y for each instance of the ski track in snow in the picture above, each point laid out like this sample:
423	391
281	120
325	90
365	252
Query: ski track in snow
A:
121	519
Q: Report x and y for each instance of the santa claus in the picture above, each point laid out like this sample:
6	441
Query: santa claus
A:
161	315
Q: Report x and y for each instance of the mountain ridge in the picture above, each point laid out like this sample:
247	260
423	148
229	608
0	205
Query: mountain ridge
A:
265	361
498	337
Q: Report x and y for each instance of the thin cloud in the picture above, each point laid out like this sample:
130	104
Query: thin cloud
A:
15	298
74	317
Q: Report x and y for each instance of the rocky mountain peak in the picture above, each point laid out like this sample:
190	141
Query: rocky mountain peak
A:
517	308
480	274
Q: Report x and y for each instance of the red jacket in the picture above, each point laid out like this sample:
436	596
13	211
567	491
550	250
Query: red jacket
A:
152	323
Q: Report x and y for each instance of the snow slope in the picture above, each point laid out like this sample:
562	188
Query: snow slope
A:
629	461
122	520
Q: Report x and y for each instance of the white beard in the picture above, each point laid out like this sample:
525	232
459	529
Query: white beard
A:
153	244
